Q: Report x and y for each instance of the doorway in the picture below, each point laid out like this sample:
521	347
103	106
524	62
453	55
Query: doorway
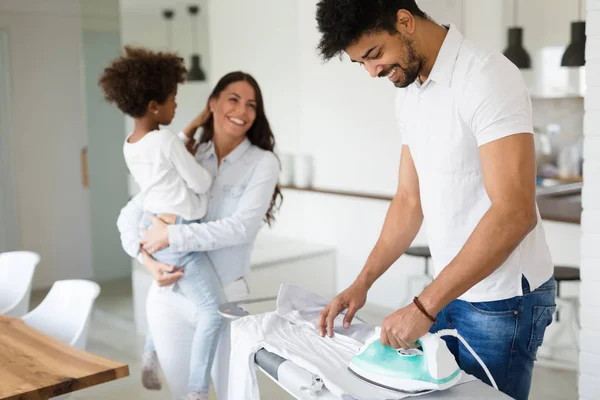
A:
9	222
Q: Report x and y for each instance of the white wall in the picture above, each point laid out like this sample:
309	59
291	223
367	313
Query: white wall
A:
485	22
589	378
48	132
261	37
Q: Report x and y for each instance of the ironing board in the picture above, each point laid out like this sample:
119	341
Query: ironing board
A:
291	377
297	381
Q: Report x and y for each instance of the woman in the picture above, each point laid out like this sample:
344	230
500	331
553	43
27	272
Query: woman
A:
236	146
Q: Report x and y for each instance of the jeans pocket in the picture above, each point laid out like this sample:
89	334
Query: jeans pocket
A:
497	307
542	317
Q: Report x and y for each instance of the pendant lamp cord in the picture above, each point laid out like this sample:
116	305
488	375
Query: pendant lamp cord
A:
194	25
170	36
195	34
168	16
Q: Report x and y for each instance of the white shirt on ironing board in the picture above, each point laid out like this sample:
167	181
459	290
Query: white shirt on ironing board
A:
171	180
291	332
471	98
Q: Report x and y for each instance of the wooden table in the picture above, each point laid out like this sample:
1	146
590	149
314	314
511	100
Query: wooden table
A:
35	366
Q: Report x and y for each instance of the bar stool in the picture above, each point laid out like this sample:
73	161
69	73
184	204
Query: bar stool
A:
422	252
568	274
570	325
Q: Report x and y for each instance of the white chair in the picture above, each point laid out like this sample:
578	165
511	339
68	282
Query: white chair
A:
16	274
66	311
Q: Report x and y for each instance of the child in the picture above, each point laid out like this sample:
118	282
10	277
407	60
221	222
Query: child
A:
143	84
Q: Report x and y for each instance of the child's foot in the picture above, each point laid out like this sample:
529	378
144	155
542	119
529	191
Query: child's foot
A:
197	396
150	368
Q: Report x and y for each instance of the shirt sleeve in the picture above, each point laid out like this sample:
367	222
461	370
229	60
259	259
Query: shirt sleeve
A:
183	137
243	225
495	101
128	224
196	177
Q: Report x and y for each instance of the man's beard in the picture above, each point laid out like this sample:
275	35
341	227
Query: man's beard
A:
413	62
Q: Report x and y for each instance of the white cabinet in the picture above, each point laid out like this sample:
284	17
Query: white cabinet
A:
276	260
444	11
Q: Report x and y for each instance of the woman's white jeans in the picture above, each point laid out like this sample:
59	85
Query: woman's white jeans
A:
172	320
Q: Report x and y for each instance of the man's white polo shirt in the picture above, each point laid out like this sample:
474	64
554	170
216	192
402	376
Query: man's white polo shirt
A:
472	97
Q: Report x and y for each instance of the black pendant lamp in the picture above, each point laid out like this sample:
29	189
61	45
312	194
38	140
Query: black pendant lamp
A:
574	55
195	73
515	51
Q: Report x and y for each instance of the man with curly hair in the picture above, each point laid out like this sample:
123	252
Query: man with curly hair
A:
468	170
173	185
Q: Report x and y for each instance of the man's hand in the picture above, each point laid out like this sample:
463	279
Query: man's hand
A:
402	328
352	299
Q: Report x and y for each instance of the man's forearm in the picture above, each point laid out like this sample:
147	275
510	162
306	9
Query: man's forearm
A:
496	236
402	223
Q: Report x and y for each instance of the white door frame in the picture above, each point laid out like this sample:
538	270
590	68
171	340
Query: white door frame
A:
10	233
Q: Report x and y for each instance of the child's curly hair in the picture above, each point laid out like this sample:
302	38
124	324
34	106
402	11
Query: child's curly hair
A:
139	76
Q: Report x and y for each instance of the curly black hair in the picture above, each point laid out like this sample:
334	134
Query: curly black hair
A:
343	22
132	80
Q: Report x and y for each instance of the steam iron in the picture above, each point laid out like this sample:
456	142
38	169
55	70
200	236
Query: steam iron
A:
430	367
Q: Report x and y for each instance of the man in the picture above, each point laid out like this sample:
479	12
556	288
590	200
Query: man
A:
468	170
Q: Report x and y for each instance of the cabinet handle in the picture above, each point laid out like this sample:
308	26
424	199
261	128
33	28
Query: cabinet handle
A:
84	167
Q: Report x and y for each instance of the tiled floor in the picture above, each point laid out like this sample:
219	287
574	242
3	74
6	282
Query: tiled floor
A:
112	335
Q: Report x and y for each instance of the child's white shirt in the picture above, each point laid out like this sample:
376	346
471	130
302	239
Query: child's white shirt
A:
170	179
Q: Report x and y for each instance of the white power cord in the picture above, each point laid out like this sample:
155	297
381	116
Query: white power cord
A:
454	332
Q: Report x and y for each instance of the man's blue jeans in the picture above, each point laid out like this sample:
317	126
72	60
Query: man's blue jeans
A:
506	335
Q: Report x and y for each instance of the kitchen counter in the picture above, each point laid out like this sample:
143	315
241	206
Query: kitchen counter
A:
565	208
561	203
